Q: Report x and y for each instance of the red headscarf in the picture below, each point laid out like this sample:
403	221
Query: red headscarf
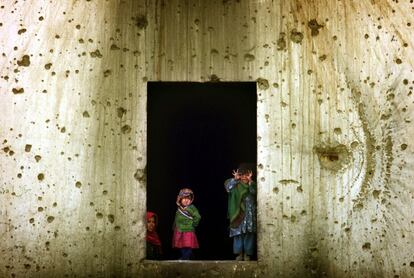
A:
152	237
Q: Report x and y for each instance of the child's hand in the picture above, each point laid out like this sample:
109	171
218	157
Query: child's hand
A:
236	174
249	176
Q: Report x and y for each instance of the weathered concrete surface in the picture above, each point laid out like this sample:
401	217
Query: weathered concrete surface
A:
335	105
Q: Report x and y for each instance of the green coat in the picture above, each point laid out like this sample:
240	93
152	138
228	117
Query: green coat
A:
184	224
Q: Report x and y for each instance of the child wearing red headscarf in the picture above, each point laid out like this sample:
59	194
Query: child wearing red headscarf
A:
186	219
154	250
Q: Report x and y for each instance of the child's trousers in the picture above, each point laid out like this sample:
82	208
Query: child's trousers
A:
244	242
186	253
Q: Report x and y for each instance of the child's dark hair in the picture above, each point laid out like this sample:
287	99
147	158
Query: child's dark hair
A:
245	168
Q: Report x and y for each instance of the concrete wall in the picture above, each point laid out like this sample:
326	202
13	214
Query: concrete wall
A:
335	105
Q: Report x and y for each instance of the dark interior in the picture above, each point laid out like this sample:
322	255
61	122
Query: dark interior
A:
197	134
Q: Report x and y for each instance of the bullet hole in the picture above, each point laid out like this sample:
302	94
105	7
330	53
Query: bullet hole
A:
114	47
96	54
275	85
107	73
85	114
404	147
27	266
48	66
41	18
322	58
81	41
39	209
333	158
314	26
263	84
398	61
57	36
78	26
28	148
126	129
275	190
214	51
111	218
214	78
366	246
249	57
299	189
41	177
366	36
412	264
11	152
141	175
120	111
63	130
19	175
50	219
37	158
99	215
337	131
31	220
18	91
376	193
117	228
296	36
78	184
21	31
105	192
281	42
141	21
25	61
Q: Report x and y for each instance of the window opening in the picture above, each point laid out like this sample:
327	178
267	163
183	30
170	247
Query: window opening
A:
197	134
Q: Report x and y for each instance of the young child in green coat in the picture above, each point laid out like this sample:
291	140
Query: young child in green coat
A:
242	211
186	219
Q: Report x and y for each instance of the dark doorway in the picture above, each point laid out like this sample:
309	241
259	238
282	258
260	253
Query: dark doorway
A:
197	134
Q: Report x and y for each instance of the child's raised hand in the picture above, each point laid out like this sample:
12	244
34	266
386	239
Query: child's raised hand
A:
236	174
249	176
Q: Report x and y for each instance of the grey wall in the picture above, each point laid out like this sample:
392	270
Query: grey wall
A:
335	105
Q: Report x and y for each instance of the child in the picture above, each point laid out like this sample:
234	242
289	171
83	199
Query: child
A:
154	250
242	212
187	218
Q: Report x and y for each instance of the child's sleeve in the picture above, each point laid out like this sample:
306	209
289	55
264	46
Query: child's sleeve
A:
195	214
229	184
253	188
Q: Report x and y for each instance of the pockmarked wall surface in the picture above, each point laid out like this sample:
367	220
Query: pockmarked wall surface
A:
335	111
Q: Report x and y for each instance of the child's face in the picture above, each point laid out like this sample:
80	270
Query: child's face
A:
244	178
185	202
151	224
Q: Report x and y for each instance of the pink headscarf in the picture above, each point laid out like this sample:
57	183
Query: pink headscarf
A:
152	237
